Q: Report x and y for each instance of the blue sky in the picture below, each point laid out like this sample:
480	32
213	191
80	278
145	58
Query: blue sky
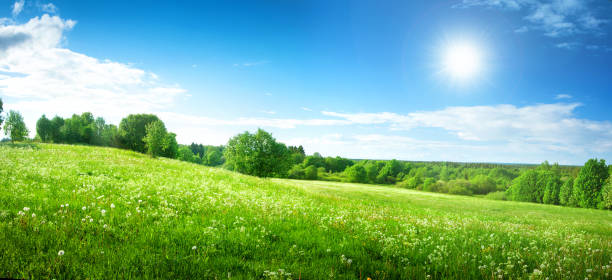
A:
360	79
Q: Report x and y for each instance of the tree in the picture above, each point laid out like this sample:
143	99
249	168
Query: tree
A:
185	154
356	174
132	131
606	195
44	129
565	194
56	126
257	154
525	187
15	127
590	181
171	148
311	173
156	138
214	157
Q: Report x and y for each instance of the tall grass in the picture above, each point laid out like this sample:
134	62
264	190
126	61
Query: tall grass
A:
85	212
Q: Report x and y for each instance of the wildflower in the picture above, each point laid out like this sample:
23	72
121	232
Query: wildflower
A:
62	206
26	209
84	208
103	212
112	206
140	201
589	270
105	226
194	247
66	204
33	215
91	220
60	253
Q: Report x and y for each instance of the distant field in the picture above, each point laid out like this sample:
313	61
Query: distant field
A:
71	212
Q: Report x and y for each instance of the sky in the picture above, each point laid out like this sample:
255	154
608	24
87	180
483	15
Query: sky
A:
513	81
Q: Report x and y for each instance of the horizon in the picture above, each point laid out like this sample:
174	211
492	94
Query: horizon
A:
473	81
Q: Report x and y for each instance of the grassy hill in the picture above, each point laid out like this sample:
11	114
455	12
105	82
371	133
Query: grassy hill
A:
90	212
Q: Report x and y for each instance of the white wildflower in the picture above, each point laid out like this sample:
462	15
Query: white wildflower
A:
26	209
194	247
103	212
112	206
60	253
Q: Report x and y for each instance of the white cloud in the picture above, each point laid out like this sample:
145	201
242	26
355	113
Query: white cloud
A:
555	18
41	76
48	8
18	7
307	109
563	96
546	125
521	29
568	45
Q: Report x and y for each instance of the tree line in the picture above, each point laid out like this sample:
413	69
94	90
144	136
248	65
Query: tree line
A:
259	154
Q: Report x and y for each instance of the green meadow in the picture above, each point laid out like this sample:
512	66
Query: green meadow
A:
75	212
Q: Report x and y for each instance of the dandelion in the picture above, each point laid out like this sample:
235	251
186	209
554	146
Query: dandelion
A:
112	206
103	212
26	209
84	208
33	215
91	220
62	206
194	247
66	204
140	201
105	226
60	253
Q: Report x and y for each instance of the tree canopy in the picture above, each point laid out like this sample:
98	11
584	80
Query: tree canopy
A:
132	131
15	127
257	154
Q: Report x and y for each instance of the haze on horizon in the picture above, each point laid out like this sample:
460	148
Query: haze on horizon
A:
473	80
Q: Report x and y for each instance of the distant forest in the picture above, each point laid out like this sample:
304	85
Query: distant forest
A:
259	154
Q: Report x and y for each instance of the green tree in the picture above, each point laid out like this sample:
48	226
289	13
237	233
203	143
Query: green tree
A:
310	173
15	127
156	138
132	131
214	157
590	181
56	126
171	148
257	154
606	195
565	194
185	154
525	187
357	174
44	129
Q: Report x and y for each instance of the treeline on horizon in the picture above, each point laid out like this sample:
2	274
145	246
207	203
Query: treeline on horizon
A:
259	154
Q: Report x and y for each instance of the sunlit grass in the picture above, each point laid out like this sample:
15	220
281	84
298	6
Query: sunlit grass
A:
77	212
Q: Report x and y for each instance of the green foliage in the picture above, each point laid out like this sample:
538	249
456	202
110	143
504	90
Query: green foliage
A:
156	138
44	129
257	154
606	195
296	172
185	154
525	187
15	127
356	174
565	193
589	183
310	173
133	129
483	184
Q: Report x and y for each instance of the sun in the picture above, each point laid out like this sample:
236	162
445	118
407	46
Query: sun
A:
462	61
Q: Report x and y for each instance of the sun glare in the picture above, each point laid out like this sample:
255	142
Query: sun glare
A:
462	61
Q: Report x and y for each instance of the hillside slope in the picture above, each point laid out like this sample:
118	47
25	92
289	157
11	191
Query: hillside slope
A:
76	212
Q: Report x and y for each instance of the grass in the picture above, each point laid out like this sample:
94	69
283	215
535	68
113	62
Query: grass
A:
120	214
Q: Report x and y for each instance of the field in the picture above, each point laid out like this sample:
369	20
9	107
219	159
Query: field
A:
70	212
